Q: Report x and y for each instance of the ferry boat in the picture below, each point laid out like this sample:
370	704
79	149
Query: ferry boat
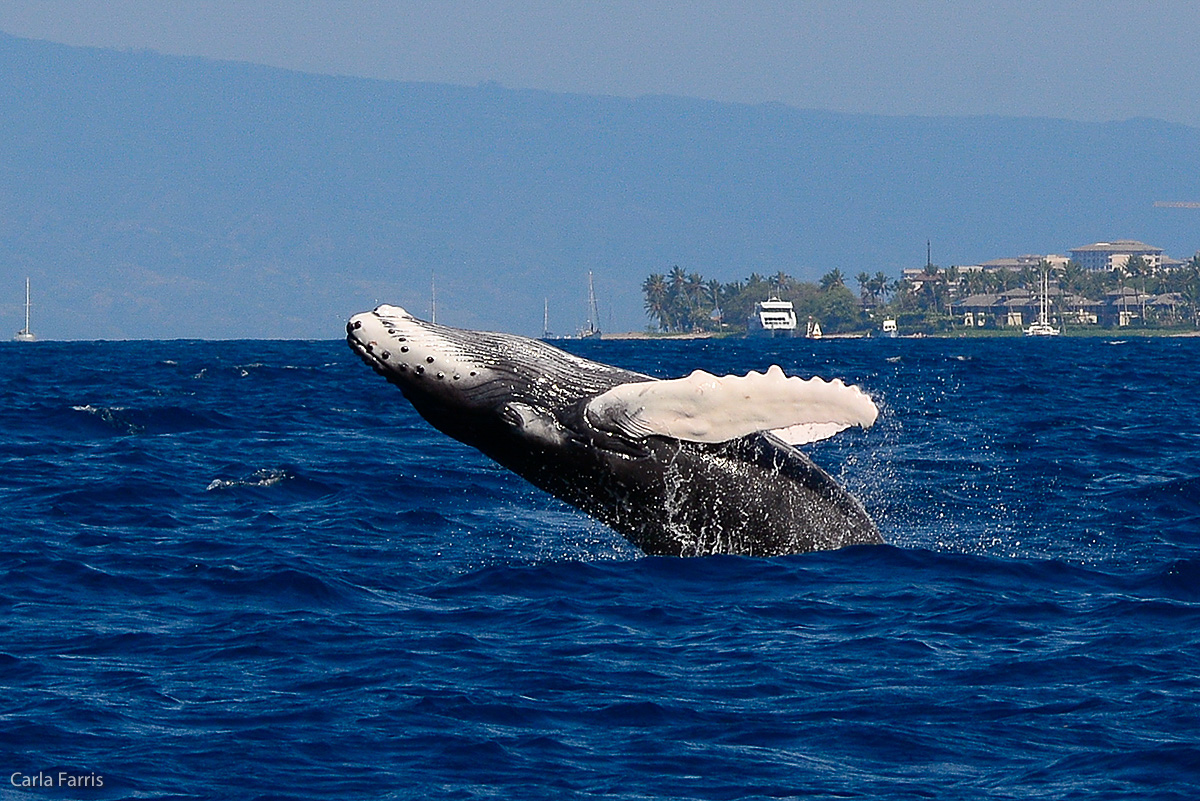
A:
25	335
773	318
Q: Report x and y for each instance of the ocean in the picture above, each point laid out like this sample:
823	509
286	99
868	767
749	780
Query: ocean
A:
249	570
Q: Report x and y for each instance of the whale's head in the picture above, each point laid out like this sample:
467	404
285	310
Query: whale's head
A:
461	380
423	357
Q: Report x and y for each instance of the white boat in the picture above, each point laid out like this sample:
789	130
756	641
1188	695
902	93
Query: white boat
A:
593	324
25	335
1042	327
814	329
773	318
889	328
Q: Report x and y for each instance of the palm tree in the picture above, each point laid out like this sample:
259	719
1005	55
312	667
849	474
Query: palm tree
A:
930	284
1191	286
953	288
655	290
976	282
713	291
1030	278
694	292
677	279
1136	267
864	287
678	310
882	285
831	279
1073	278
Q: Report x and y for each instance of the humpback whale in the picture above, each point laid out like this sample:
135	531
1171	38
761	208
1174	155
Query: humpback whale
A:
684	467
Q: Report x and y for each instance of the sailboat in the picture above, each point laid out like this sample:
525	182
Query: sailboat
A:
25	335
813	331
1042	327
593	324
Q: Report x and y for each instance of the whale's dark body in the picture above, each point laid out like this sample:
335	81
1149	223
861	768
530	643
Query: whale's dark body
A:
523	403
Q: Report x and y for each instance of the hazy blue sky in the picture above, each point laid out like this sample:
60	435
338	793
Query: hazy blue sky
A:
1091	60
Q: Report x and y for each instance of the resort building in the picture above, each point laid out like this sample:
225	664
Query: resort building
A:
1018	263
1015	264
1115	255
1017	307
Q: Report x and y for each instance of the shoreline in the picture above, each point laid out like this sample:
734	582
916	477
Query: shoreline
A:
989	334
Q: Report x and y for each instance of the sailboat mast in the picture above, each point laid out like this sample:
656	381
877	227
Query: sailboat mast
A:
593	312
25	335
1045	296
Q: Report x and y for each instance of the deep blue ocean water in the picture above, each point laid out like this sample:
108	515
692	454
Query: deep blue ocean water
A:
250	570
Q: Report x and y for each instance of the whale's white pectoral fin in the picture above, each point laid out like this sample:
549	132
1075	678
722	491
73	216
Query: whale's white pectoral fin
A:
804	433
708	408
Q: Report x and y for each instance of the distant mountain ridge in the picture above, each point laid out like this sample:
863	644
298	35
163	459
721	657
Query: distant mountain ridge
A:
154	196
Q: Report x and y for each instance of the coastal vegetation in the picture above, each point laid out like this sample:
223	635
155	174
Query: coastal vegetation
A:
678	301
931	301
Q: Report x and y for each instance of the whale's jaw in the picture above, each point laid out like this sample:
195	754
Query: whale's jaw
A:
412	351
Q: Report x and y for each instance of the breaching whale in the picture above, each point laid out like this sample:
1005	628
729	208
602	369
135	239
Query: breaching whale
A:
686	467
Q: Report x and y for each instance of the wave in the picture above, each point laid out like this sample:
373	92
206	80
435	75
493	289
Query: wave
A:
290	481
148	420
260	478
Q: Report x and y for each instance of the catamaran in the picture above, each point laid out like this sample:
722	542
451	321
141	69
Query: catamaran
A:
25	335
1042	327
